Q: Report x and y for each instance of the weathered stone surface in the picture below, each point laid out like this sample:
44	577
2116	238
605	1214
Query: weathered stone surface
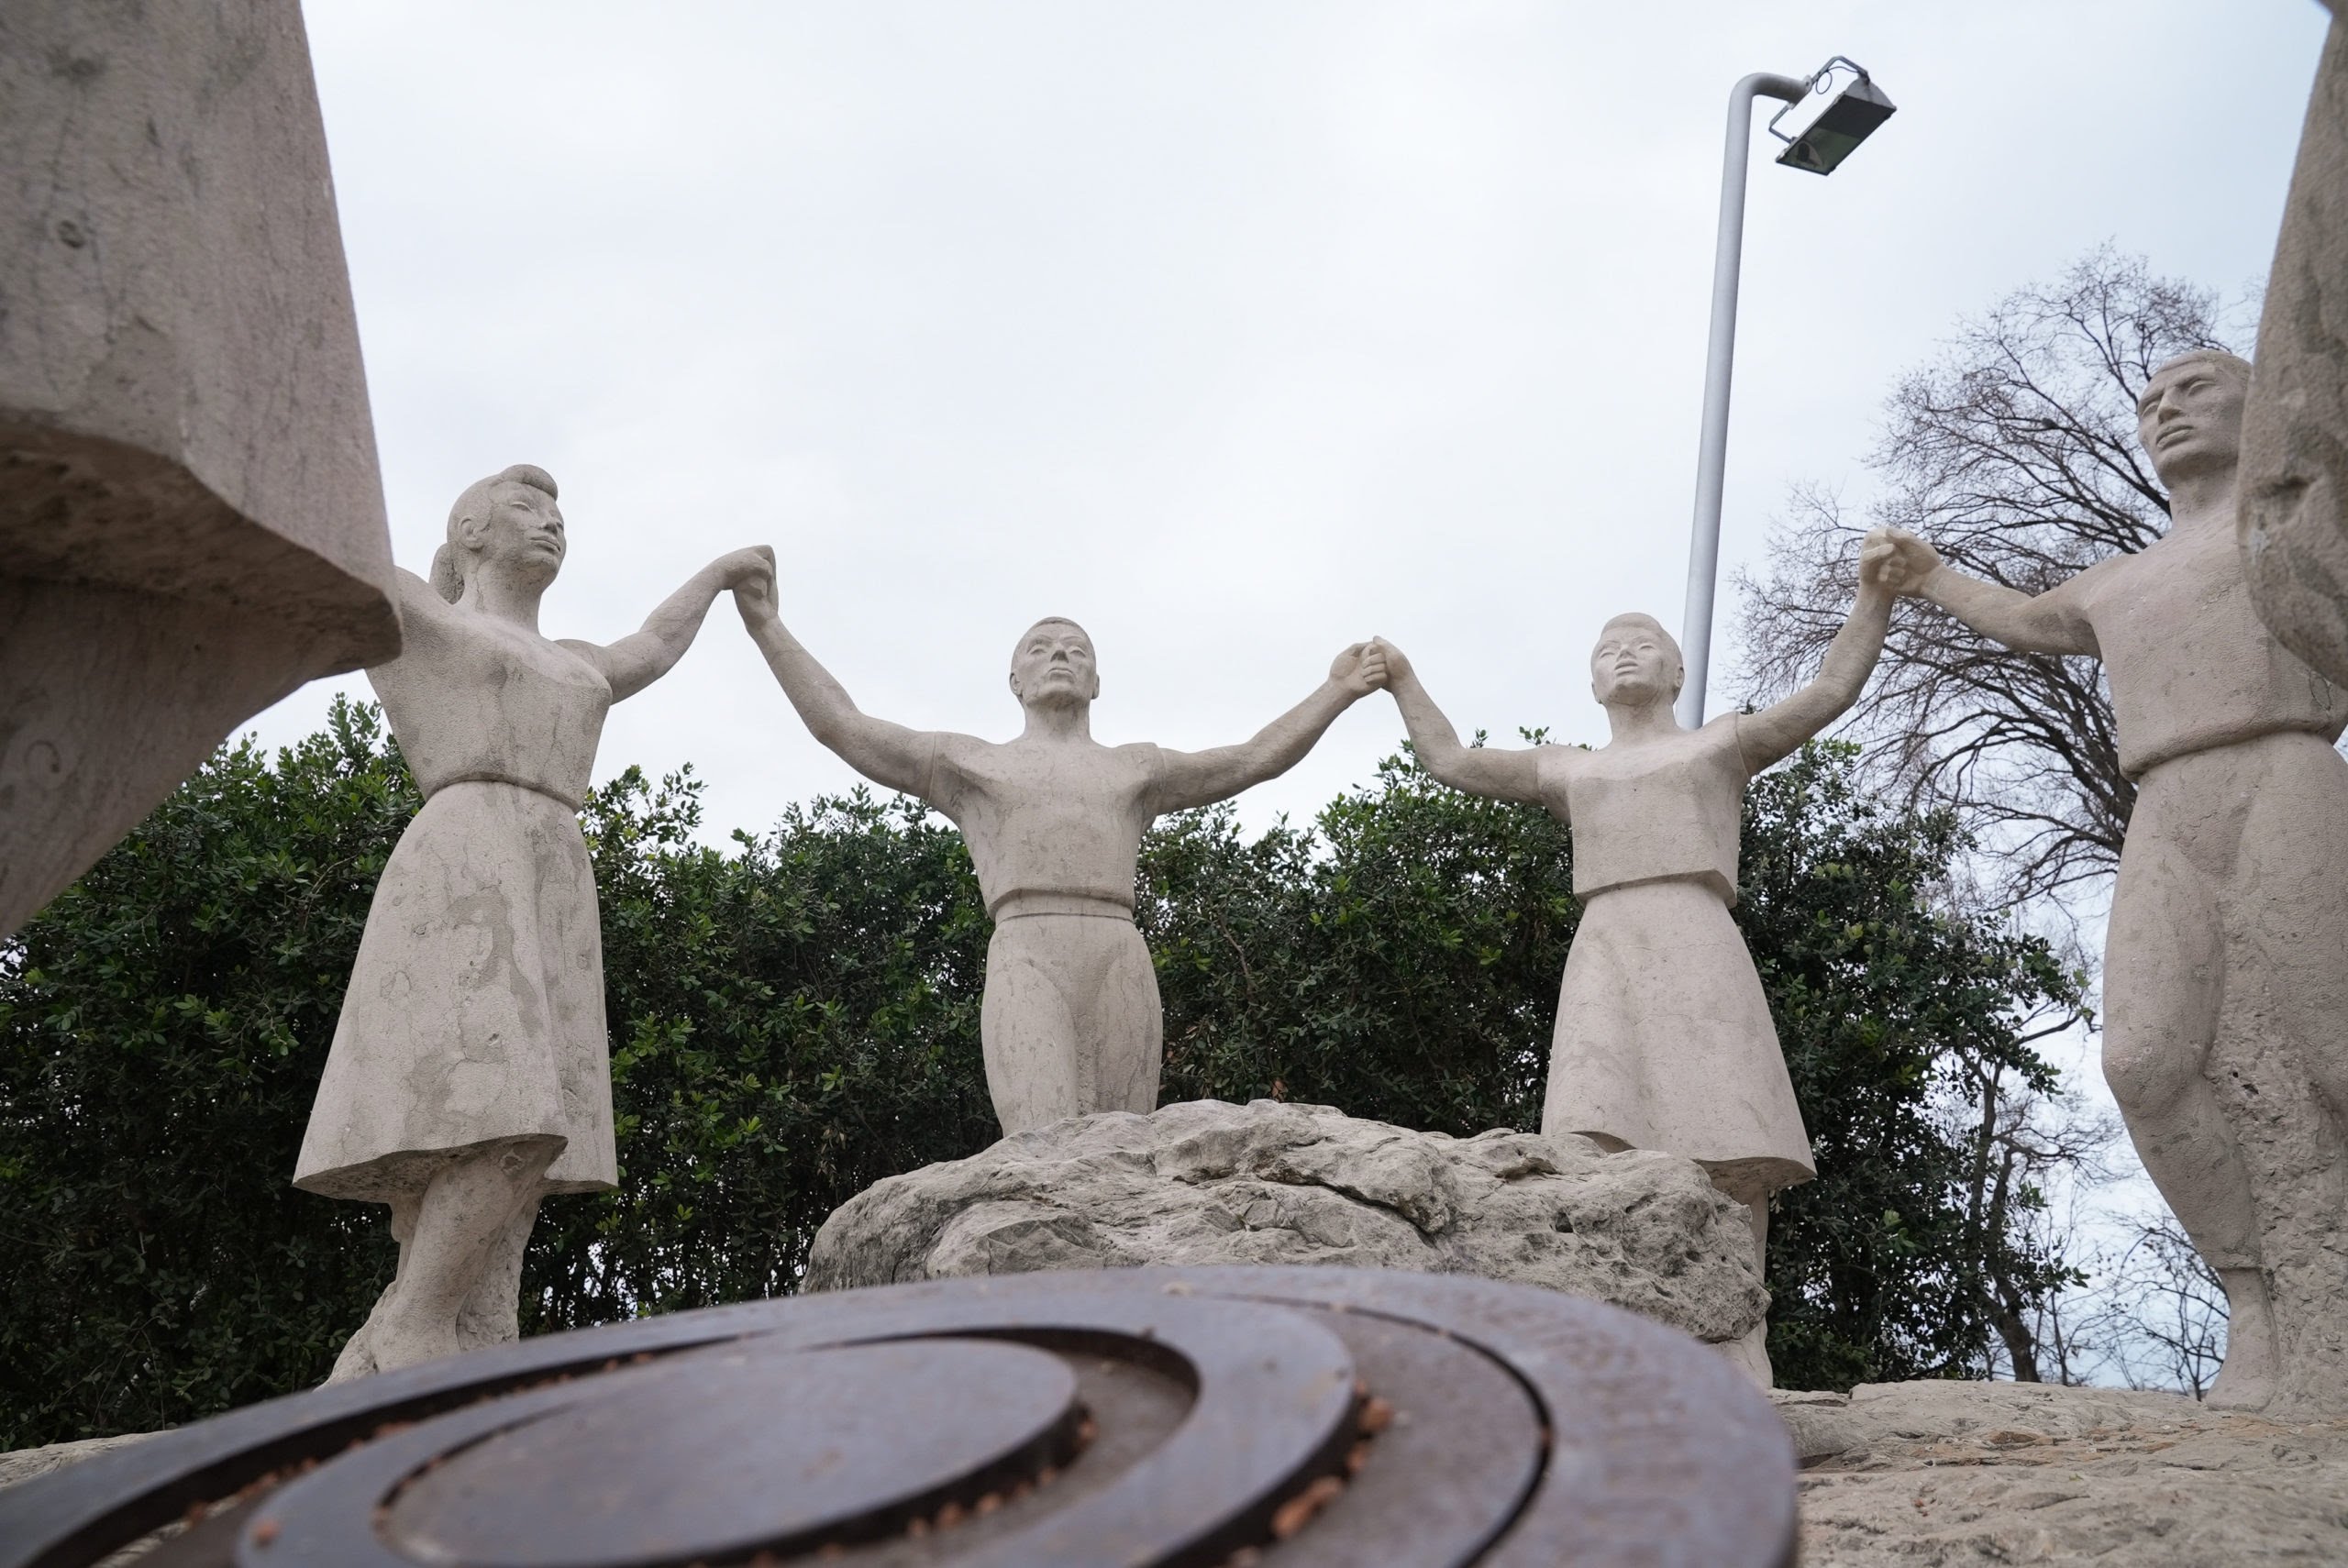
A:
1208	1182
191	517
1951	1474
2293	527
25	1463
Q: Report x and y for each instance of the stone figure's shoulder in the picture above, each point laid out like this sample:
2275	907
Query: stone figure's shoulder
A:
431	629
958	766
1554	769
2113	573
1141	759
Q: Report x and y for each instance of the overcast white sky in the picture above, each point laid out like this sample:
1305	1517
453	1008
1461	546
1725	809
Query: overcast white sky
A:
1236	331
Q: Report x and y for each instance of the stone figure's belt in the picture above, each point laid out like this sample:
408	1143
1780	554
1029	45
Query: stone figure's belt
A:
1021	902
536	788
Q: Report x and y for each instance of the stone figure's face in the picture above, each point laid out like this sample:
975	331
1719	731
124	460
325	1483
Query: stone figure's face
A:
2189	418
1053	666
521	531
1634	662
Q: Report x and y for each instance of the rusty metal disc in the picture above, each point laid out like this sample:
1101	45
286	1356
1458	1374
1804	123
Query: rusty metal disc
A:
1290	1417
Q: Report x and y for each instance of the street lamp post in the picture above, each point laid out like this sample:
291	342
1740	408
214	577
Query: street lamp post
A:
1841	126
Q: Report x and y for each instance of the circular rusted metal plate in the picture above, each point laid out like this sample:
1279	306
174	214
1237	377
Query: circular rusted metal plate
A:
1132	1416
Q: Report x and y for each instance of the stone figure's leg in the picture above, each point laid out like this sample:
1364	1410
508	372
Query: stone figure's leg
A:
1751	1351
2283	1037
465	1212
1128	1023
490	1315
1025	1032
2164	984
358	1357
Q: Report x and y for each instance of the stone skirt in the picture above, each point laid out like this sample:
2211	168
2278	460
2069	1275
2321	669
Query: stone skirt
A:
1664	1039
475	1011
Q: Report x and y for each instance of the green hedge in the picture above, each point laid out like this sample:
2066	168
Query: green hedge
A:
796	1016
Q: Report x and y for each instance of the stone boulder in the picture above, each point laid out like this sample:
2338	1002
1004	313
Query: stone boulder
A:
1208	1182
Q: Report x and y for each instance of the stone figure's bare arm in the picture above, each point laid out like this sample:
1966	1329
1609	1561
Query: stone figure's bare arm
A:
1187	778
1772	734
890	755
2053	621
1496	773
636	661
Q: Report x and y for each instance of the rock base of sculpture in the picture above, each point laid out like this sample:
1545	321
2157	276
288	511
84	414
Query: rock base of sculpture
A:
1983	1473
1207	1183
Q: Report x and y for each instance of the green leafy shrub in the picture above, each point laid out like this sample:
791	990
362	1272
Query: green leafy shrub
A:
796	1016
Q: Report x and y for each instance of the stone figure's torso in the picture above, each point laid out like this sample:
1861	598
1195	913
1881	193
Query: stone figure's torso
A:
472	698
1669	808
2191	666
1059	820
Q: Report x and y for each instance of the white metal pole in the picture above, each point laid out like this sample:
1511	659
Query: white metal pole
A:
1711	455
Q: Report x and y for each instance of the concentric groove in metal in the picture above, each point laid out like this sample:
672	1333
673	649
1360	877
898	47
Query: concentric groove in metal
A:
1144	1417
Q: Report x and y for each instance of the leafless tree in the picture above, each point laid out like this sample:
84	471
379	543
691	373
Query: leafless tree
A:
2028	1140
2015	454
2155	1317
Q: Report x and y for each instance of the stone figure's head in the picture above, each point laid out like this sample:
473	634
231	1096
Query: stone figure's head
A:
507	523
1635	663
2189	418
1053	666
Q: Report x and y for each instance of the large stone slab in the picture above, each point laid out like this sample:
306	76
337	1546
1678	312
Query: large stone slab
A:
1208	1182
1959	1473
191	517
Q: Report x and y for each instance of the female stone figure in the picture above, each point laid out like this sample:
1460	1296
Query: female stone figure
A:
469	1074
1663	1037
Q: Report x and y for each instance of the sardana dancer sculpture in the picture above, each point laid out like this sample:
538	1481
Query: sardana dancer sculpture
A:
469	1074
2225	973
1663	1038
1070	1023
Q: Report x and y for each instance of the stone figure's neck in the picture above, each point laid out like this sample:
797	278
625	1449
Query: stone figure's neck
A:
1636	723
1059	724
511	602
2201	502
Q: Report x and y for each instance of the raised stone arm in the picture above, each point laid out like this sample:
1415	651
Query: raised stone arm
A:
1496	773
1188	778
890	755
2048	623
643	657
1772	734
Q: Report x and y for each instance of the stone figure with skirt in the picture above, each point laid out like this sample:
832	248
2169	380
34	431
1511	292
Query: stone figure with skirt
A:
469	1074
1663	1039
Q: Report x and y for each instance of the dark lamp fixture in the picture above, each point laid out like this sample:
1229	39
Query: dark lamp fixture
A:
1856	110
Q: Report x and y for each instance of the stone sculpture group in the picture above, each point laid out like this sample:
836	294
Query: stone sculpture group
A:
469	1074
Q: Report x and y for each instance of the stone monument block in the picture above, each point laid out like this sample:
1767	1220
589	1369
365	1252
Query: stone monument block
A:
2293	527
191	516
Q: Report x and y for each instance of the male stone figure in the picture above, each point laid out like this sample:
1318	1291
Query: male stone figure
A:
2226	960
1070	1020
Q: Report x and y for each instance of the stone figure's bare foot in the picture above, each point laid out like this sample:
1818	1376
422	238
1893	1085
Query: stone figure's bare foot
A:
2246	1382
358	1357
1752	1355
394	1345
